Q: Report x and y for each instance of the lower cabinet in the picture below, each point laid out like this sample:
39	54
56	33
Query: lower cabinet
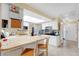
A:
54	41
12	52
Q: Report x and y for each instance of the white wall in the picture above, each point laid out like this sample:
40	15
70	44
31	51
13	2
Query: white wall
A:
16	15
70	31
4	11
6	14
78	34
0	10
0	15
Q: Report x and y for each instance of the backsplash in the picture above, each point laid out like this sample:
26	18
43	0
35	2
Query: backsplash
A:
15	31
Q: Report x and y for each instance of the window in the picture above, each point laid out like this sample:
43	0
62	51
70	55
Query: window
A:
4	23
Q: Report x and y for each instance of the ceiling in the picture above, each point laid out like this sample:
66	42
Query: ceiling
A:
52	11
33	17
70	10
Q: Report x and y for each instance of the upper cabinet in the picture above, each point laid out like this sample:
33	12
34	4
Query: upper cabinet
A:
53	24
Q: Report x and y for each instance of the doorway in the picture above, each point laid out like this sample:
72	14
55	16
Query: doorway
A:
70	35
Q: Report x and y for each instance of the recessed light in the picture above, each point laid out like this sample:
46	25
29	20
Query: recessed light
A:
33	19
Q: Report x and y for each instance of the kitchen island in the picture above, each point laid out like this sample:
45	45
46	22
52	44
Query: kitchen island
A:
15	45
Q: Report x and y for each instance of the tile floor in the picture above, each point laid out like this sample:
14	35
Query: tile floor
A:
68	50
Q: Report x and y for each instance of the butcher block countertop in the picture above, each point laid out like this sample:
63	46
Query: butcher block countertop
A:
18	40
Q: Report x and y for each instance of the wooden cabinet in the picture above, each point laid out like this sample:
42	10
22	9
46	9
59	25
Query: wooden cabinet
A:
15	23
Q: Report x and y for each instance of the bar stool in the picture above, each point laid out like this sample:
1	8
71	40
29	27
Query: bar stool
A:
43	47
0	48
30	51
0	44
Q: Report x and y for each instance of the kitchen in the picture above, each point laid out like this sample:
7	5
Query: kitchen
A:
24	29
14	29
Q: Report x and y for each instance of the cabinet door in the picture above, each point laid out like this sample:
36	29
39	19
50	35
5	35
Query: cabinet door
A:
54	41
15	23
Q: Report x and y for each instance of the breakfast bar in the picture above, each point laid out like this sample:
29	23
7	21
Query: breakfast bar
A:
16	44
